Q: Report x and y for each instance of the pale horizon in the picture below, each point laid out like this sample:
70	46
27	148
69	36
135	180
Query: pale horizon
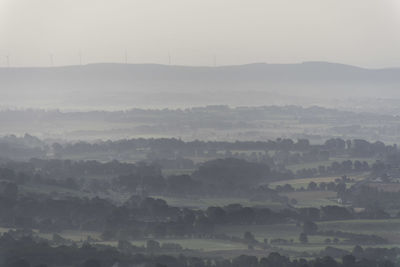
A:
5	66
44	33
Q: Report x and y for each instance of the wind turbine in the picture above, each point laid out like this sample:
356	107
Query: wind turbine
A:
80	58
51	60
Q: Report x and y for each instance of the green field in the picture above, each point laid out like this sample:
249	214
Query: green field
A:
285	231
201	244
168	172
203	203
190	243
389	229
313	198
311	165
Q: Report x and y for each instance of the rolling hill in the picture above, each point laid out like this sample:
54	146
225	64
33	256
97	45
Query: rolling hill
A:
110	85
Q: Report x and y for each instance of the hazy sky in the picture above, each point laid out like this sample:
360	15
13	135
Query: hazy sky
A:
360	32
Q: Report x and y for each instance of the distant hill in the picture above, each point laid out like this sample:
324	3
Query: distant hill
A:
126	85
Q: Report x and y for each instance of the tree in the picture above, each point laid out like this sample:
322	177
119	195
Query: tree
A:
92	263
216	214
108	234
328	261
310	228
152	245
244	260
160	230
228	172
249	237
312	186
358	251
124	245
9	190
20	263
303	238
349	261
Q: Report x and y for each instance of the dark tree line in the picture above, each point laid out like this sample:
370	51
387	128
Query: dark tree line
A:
285	150
229	176
141	217
25	252
335	146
